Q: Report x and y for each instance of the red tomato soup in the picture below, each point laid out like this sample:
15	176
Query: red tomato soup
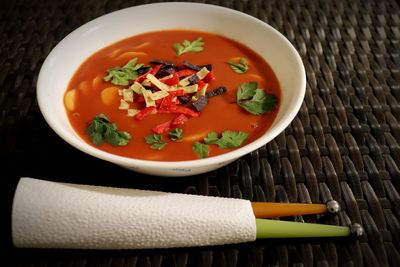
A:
156	112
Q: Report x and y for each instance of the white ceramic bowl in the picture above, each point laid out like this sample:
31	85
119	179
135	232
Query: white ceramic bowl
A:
67	56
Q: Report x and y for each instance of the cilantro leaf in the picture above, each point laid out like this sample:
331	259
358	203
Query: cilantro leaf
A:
200	149
211	138
122	75
240	67
156	141
187	46
176	134
111	136
100	129
123	140
153	138
232	139
228	139
255	100
246	91
124	135
261	103
132	64
102	117
158	146
96	138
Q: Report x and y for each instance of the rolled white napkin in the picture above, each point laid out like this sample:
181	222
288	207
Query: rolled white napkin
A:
60	215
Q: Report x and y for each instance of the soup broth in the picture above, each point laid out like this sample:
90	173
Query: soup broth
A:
89	95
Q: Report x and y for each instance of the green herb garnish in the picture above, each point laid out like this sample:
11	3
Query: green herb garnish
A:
254	99
212	138
100	129
240	67
122	75
156	141
187	46
229	139
176	134
200	149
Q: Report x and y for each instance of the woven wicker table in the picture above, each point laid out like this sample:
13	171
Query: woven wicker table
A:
344	143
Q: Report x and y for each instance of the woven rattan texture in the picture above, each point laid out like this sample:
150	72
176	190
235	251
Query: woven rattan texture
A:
344	144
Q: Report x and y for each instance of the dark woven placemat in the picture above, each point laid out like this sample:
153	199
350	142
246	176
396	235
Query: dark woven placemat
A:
343	144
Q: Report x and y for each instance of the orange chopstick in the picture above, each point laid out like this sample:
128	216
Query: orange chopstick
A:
270	210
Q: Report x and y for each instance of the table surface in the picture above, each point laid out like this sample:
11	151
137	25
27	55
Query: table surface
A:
342	145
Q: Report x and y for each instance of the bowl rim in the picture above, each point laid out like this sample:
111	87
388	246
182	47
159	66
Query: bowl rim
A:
227	157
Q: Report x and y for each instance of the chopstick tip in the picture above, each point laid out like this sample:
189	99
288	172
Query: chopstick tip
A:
333	206
356	229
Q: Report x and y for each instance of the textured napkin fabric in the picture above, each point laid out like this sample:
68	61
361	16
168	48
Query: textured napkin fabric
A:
59	215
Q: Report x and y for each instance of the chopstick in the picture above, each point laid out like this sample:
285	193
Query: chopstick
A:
272	209
283	229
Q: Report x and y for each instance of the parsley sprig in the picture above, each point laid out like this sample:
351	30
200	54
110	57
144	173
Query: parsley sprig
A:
156	141
240	67
122	75
228	139
176	134
100	129
200	149
187	46
255	100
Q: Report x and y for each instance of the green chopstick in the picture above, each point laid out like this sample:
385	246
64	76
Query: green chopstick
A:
283	229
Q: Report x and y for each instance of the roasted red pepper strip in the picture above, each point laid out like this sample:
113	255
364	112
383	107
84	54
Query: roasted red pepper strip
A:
174	80
177	93
181	119
159	101
178	109
152	70
162	128
167	101
142	77
185	72
209	77
200	84
144	113
155	69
